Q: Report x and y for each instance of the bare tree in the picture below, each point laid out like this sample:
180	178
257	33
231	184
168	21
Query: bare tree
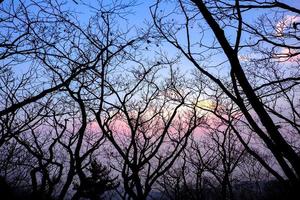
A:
222	19
148	125
53	95
82	106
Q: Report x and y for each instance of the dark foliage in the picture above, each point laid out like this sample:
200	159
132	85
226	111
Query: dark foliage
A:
99	181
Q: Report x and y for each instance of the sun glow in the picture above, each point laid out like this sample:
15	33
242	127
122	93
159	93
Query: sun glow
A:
206	104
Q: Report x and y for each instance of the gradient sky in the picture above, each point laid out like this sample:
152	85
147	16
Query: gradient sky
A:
140	15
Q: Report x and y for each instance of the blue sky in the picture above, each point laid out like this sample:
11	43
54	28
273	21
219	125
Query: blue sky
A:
140	14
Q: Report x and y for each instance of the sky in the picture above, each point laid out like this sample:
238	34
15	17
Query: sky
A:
140	15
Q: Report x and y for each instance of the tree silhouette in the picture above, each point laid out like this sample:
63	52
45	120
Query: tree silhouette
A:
223	20
200	102
99	182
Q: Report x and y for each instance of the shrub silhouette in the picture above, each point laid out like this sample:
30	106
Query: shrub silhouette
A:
95	185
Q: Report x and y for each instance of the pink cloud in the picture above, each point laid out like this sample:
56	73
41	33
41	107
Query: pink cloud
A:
288	55
286	24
